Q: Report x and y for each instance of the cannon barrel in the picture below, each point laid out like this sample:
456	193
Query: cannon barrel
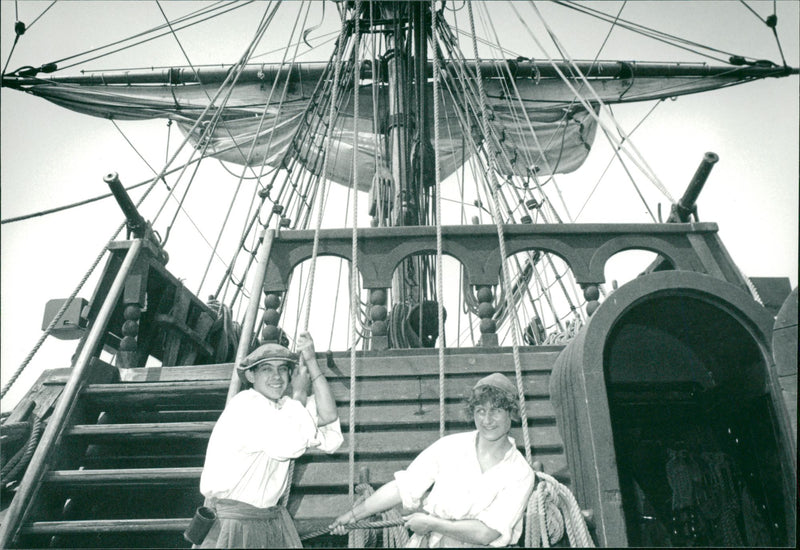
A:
687	203
136	223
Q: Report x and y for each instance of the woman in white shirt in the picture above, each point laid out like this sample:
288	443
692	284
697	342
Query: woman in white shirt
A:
260	431
481	482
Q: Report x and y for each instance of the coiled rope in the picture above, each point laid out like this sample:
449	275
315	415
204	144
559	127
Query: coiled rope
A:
19	461
552	511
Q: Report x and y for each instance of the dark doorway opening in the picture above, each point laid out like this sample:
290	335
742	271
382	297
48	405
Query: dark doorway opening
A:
695	435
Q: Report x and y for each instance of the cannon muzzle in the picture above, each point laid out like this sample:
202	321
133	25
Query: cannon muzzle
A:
136	223
687	205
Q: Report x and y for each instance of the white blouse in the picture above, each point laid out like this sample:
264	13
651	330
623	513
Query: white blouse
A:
496	497
252	443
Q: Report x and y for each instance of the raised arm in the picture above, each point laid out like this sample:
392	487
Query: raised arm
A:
326	404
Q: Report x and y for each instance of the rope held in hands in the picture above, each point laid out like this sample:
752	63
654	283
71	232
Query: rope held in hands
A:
379	524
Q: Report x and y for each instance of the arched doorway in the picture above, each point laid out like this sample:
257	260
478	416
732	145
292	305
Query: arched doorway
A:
671	413
694	431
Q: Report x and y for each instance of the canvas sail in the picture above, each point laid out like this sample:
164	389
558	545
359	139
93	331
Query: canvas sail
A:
535	113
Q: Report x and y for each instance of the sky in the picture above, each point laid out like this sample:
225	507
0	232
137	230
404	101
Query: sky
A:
50	156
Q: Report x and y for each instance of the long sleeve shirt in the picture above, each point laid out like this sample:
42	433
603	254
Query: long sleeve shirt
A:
252	443
496	497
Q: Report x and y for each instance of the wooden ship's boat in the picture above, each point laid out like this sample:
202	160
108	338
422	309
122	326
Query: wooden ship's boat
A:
667	405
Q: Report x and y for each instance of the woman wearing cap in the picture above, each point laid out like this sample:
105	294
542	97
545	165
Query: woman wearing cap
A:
481	482
259	432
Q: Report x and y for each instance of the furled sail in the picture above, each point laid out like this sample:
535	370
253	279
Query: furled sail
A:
535	110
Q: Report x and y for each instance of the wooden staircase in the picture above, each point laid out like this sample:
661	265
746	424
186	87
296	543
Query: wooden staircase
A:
127	467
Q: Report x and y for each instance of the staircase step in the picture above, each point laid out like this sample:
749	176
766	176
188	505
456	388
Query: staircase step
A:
210	394
127	476
368	415
309	472
152	395
105	526
373	442
375	364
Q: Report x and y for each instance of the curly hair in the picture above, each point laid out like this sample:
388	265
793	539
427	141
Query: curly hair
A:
489	395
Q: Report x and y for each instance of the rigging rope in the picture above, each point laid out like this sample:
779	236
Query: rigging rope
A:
501	238
354	287
253	144
230	80
495	189
235	5
438	213
646	31
180	207
71	297
602	175
99	257
323	181
637	158
288	161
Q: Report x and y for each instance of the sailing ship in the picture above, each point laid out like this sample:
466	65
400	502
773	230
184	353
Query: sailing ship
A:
406	194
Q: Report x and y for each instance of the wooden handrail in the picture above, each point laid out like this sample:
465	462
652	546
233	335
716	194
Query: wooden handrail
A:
20	505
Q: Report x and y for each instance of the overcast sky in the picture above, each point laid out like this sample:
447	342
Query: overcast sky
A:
51	156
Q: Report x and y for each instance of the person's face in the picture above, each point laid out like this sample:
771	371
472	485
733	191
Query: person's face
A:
492	423
270	379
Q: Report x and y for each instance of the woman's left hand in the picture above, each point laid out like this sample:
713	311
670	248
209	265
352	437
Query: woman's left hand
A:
420	523
305	347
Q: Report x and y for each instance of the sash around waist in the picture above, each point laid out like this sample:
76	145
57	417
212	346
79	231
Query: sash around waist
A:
233	509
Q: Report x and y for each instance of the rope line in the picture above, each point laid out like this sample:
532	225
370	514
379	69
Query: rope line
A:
354	287
235	5
378	524
501	238
494	189
253	146
69	300
632	154
438	214
323	178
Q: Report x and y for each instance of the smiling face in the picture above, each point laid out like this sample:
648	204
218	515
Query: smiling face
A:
270	379
493	423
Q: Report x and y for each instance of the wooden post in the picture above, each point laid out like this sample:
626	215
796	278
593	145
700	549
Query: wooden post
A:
486	310
252	309
29	486
377	313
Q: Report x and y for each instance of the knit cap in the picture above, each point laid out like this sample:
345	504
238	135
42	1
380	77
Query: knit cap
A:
499	381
